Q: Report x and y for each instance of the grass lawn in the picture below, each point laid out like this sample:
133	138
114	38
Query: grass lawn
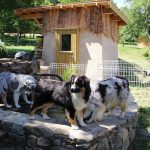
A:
131	52
18	48
141	95
11	50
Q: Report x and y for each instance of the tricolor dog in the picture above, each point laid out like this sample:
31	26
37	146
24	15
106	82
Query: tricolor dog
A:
19	84
72	96
107	95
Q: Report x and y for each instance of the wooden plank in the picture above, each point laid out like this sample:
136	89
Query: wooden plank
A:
115	18
107	11
118	12
32	16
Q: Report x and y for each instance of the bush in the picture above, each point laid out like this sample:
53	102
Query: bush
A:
147	52
67	73
3	52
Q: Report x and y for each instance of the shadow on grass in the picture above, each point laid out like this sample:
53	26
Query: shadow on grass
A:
142	137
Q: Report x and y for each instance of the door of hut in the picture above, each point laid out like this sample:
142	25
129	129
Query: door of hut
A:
66	46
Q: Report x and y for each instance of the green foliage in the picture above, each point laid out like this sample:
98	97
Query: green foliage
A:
68	72
9	23
69	1
147	52
2	49
138	20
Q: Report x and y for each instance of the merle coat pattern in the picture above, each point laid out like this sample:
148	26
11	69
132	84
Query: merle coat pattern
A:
107	95
19	84
69	95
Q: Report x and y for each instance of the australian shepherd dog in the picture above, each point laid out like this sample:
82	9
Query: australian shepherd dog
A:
107	95
73	96
19	84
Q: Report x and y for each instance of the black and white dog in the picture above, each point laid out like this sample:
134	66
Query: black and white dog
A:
107	95
19	84
72	96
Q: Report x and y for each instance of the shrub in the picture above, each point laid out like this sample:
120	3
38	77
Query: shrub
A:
68	72
3	52
147	52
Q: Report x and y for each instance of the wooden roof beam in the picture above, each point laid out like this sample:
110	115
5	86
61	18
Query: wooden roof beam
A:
85	6
115	18
97	5
38	21
119	13
32	16
107	11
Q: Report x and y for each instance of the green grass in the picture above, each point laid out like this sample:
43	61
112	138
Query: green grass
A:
26	44
11	50
16	48
141	95
131	52
24	41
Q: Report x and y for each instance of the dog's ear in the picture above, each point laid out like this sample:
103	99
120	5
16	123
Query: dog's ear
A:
72	78
86	80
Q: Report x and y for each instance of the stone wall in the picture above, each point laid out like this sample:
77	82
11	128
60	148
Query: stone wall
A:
19	66
112	133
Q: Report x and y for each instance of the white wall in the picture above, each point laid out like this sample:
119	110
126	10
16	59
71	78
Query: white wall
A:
110	49
90	47
49	52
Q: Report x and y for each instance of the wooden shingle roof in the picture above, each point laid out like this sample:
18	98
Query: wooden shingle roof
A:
38	12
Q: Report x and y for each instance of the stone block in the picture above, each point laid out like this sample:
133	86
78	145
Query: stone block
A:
43	142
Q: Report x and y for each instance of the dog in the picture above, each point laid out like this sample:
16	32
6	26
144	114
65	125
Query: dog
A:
22	55
19	84
72	96
107	95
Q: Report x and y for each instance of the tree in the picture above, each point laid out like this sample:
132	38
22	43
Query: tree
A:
138	13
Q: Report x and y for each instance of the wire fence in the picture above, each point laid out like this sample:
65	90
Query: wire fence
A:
137	72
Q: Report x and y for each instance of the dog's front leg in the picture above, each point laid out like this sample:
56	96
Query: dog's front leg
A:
5	101
80	118
26	99
16	99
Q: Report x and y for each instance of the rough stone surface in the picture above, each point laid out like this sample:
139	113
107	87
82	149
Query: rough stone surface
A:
112	133
19	66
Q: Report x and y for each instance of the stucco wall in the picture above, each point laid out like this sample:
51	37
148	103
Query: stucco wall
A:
110	49
49	53
90	47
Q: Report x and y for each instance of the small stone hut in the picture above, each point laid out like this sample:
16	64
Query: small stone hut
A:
79	32
143	41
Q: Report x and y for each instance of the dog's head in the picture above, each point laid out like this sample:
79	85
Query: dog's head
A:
29	85
80	84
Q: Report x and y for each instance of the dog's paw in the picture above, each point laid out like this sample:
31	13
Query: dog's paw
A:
83	125
45	117
74	127
18	106
89	121
8	106
29	102
32	117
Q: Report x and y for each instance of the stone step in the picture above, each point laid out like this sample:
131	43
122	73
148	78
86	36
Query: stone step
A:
2	133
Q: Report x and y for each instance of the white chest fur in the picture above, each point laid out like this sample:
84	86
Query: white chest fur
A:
78	101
